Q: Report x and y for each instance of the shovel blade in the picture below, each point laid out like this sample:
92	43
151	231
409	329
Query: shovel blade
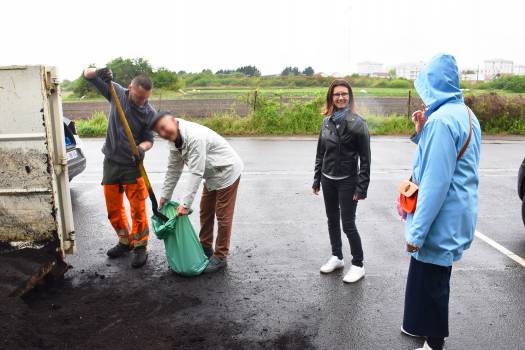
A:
160	216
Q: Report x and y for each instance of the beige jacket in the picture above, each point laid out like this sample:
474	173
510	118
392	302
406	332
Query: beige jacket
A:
208	156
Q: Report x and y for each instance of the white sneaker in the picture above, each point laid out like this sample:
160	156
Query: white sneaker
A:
333	264
354	274
425	347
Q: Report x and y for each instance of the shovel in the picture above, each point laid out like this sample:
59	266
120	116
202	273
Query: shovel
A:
135	151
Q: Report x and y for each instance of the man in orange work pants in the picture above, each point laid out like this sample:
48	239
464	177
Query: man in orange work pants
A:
121	174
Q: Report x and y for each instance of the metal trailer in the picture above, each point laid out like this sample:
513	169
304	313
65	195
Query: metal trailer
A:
36	220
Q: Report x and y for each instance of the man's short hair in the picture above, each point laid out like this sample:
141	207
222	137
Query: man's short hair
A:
158	117
143	81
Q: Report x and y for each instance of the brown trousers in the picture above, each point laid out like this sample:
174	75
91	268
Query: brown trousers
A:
220	203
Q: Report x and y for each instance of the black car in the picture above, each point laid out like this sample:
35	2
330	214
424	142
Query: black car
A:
521	189
76	161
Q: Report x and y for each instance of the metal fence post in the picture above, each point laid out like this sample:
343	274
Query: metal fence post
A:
409	104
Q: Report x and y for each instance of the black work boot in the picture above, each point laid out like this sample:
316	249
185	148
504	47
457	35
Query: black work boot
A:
208	251
119	250
140	255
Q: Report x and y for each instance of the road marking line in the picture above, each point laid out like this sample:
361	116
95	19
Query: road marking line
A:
501	248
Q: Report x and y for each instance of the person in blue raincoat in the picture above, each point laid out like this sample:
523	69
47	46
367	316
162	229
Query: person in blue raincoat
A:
443	224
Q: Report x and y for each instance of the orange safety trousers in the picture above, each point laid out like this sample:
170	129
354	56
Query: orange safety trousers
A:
136	194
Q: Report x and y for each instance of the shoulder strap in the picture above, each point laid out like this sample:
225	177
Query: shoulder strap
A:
468	138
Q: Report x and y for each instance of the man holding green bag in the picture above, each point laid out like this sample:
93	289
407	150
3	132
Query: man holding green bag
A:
210	157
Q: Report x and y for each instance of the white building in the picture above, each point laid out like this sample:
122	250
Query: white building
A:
496	67
519	69
472	75
372	69
409	70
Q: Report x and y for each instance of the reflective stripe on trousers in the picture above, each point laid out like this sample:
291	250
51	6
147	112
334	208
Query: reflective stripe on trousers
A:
136	194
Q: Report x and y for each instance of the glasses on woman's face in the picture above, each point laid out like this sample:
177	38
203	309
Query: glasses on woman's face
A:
341	94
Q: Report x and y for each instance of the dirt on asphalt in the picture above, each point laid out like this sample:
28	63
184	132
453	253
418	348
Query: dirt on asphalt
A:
101	314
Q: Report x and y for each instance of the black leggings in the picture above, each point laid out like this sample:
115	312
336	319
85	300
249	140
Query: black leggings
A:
340	206
436	343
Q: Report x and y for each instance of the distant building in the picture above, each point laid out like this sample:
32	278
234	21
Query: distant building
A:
409	70
497	67
383	75
471	75
519	69
371	69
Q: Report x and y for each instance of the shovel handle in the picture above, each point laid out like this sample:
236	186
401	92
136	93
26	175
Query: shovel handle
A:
135	152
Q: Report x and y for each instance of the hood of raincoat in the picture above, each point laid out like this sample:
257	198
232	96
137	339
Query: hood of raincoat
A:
438	82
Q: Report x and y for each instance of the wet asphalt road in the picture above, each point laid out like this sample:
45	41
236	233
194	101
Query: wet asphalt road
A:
272	294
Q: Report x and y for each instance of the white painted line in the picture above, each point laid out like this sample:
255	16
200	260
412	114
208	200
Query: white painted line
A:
500	248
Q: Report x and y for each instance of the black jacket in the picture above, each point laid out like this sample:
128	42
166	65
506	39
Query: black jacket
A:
344	151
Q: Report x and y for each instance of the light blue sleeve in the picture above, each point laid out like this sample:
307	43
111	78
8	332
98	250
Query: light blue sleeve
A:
437	164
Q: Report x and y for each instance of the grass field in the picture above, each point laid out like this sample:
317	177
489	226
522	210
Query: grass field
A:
287	92
218	93
221	93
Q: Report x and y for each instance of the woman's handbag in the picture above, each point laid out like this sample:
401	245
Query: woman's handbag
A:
408	196
408	190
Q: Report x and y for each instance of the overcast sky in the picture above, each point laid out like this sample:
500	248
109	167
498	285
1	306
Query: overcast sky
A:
329	35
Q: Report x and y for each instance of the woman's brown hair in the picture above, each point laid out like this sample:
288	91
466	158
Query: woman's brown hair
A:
329	107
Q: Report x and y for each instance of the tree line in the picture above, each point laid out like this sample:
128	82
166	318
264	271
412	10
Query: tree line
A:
125	69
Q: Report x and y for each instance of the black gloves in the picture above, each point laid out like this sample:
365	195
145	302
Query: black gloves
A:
105	74
142	153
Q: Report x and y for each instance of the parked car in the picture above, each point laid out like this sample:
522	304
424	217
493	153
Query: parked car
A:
76	161
521	189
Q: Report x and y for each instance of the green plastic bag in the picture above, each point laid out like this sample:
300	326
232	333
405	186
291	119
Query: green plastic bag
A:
183	249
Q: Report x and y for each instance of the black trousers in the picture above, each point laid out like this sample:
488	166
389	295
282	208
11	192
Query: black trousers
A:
341	207
426	301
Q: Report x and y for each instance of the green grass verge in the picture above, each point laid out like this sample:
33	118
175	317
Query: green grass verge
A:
93	127
233	125
304	118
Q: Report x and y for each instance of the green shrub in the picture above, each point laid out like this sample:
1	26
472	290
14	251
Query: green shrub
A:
392	125
499	114
398	84
93	127
228	124
163	78
514	83
296	119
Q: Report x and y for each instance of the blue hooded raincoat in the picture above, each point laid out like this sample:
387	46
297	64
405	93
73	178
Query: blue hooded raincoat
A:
444	222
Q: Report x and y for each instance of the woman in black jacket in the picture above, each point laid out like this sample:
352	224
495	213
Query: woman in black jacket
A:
342	169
